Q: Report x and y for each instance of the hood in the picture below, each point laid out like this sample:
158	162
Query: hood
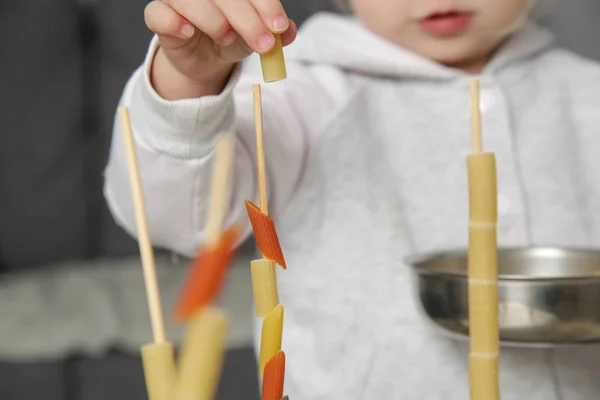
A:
344	42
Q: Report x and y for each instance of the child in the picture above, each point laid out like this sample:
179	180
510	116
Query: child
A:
366	143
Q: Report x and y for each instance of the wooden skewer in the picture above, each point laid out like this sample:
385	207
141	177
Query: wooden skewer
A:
260	150
218	201
264	278
209	269
146	252
477	141
262	225
482	265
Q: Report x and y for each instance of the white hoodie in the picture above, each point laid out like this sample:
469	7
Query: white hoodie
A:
366	146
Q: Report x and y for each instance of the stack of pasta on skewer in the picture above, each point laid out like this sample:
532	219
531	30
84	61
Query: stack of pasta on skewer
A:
207	327
264	276
202	352
482	264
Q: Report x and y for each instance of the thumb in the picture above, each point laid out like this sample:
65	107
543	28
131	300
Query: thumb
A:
172	29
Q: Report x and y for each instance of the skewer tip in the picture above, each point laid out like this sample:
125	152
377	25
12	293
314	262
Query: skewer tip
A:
477	140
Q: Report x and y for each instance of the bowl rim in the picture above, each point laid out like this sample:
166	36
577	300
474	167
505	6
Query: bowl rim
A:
413	260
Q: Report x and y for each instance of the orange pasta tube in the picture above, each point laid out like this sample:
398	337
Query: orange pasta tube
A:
270	339
266	236
272	386
206	276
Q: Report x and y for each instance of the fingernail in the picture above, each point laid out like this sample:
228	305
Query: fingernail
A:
265	41
186	30
228	39
281	23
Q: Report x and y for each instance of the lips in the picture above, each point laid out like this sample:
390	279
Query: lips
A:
446	23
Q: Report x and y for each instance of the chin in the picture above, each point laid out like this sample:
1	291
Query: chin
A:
455	54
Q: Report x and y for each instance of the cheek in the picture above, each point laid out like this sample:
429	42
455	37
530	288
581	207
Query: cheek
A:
386	13
385	18
501	14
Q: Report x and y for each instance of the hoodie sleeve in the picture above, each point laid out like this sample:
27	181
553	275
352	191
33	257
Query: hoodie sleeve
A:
175	142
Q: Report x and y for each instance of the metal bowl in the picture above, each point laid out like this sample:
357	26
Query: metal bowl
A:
547	296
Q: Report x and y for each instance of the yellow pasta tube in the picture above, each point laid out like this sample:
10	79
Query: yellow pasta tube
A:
484	373
483	278
273	63
264	284
270	339
159	370
201	356
483	198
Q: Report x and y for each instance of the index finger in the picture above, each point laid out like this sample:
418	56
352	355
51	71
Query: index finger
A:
205	15
272	14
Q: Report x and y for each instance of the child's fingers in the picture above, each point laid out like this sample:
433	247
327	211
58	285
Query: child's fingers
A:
289	36
171	27
206	16
272	14
248	24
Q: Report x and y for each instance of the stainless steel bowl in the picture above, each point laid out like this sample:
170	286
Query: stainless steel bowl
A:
548	296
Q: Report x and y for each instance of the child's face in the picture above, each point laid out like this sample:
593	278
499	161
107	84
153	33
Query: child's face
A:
461	33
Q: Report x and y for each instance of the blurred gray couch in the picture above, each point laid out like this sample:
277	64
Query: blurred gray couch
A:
63	65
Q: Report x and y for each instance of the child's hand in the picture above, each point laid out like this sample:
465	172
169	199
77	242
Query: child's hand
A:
201	40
